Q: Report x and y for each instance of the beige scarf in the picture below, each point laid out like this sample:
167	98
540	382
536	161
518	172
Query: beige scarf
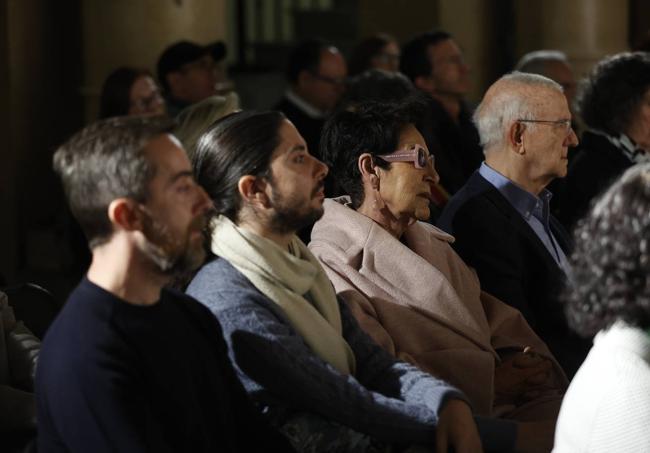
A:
286	277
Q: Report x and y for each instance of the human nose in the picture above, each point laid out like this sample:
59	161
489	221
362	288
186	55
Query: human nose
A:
431	169
573	138
432	174
321	169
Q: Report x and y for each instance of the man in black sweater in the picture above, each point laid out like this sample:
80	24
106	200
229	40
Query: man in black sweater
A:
127	365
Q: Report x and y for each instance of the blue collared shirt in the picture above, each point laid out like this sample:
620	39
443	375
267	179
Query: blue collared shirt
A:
534	210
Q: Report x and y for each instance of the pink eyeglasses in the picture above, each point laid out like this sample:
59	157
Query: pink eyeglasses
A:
416	154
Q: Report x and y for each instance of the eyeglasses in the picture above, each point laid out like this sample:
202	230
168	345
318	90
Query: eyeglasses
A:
337	81
416	154
565	123
148	102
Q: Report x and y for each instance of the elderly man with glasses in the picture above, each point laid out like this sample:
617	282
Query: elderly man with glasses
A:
501	218
316	72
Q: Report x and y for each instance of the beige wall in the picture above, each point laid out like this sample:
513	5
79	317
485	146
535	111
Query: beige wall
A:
127	32
467	20
586	30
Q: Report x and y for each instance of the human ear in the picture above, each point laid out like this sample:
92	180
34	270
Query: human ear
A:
124	213
367	170
515	136
252	190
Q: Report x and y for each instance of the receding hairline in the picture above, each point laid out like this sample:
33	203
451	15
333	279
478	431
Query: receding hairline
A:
522	85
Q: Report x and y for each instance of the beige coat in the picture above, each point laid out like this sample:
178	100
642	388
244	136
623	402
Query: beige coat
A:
425	306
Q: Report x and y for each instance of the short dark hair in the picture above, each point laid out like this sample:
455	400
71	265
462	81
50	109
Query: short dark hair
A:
610	96
115	99
103	162
305	56
368	127
236	145
611	262
414	61
365	51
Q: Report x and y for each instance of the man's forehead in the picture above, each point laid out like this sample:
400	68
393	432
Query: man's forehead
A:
551	100
289	141
166	152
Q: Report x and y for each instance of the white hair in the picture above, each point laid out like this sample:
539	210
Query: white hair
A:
498	111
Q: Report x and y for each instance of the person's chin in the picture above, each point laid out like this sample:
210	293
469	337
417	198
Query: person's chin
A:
422	214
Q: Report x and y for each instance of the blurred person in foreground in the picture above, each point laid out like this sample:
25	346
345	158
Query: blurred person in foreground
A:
607	405
127	365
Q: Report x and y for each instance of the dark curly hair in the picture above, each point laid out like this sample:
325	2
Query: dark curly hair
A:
366	127
610	96
611	262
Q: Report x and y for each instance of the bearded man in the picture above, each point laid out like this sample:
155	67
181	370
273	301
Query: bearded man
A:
296	346
128	366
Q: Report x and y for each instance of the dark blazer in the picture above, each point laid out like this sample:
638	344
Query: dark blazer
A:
310	128
596	165
456	146
513	264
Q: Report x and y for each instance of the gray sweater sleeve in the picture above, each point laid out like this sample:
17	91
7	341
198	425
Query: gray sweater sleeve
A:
397	405
386	399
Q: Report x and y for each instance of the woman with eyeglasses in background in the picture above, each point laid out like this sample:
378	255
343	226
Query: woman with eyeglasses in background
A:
130	91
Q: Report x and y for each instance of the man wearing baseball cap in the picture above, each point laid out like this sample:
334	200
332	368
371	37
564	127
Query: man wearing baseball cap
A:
189	72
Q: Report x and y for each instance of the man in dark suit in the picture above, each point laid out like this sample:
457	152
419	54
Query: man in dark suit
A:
501	218
316	73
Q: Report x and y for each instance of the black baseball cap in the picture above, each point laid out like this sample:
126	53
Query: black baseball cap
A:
183	52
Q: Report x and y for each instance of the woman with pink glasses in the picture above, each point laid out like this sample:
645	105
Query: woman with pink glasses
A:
407	287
